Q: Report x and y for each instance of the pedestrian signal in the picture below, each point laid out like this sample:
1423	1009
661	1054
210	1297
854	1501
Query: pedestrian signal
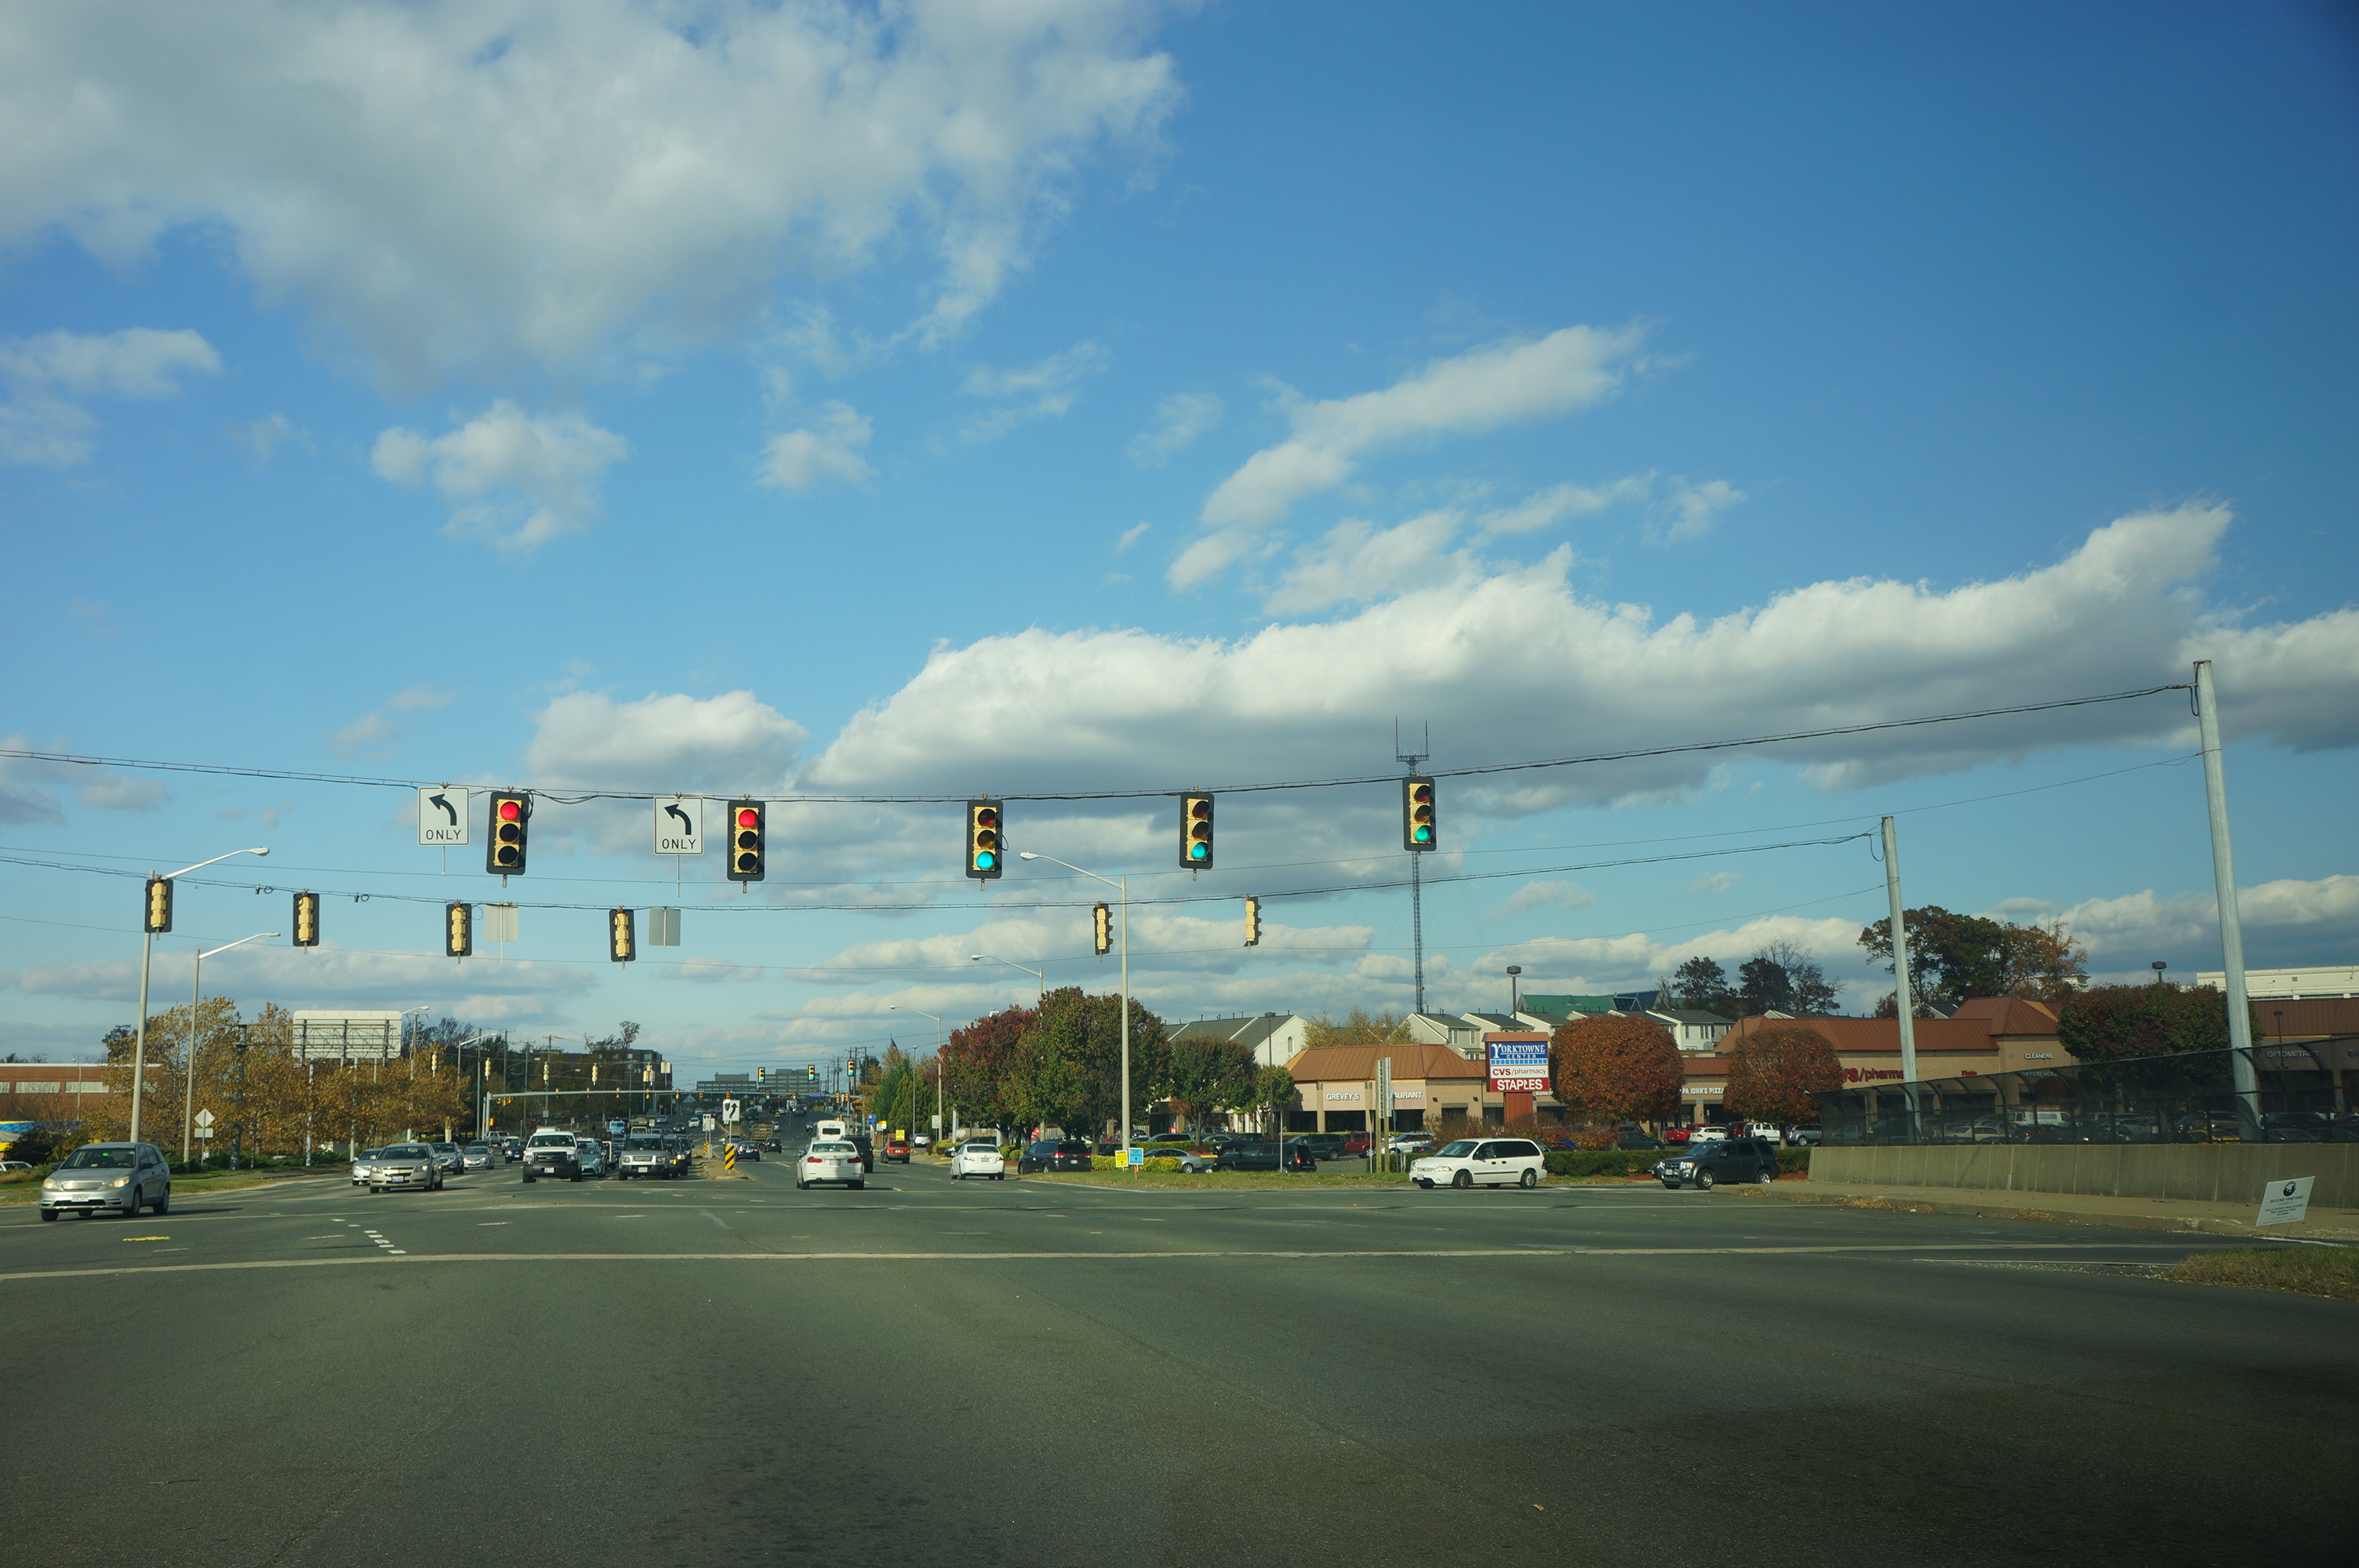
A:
457	930
306	920
1196	831
747	834
986	840
504	849
1101	923
1418	824
1253	922
159	906
622	935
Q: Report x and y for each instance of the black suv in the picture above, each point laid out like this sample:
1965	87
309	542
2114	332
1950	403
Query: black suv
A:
1720	1159
1053	1154
1263	1156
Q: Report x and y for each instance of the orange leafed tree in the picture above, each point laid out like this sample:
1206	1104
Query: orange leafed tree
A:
1627	1069
1772	1072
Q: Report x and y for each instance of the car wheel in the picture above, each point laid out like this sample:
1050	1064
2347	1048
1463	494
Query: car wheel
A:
48	1215
1768	1174
1424	1183
954	1175
528	1180
164	1203
1529	1178
577	1176
1703	1181
131	1203
801	1185
1463	1179
857	1186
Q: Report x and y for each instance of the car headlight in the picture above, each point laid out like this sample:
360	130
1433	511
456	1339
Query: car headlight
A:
120	1181
48	1181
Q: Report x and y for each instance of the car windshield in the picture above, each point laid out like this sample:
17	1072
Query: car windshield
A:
408	1151
643	1142
552	1139
1458	1151
102	1160
478	1149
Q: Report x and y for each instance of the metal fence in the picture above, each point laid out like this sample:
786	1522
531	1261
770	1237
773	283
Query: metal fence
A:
2298	1096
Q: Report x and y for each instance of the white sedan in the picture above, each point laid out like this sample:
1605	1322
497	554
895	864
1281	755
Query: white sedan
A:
830	1160
978	1159
1481	1162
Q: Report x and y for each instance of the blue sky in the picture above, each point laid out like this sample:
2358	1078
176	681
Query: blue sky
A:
1083	396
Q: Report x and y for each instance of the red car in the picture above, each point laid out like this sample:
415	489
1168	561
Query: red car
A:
896	1149
1355	1143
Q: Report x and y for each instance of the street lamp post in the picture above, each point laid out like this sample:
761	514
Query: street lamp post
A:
1012	964
146	958
1121	887
922	1012
188	1075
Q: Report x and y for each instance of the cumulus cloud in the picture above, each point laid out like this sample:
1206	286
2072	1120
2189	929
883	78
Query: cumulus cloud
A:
520	480
372	736
33	790
516	991
48	377
1504	384
1719	882
663	741
459	187
418	697
804	459
1695	509
1555	505
1357	561
1042	391
2288	922
1132	535
260	437
1179	420
1547	895
1635	960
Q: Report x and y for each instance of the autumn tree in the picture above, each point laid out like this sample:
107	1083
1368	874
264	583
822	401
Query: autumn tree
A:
1773	1073
2109	1023
976	1060
1623	1068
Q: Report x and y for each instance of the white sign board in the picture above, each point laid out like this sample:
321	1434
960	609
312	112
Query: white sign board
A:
204	1118
680	826
708	1123
321	1036
2285	1202
441	815
729	1110
1519	1063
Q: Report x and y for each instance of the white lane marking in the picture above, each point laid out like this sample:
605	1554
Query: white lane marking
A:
715	1219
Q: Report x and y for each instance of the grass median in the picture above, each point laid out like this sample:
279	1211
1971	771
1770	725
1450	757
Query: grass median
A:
27	1189
2305	1271
1227	1179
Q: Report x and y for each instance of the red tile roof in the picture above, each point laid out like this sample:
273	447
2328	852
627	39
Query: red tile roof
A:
1357	1063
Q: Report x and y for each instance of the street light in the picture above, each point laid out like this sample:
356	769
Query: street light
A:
1121	886
1012	964
922	1012
146	958
189	1079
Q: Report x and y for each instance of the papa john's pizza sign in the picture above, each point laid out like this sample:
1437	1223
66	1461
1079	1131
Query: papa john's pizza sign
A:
1519	1064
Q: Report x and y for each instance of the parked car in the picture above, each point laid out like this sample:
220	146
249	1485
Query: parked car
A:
978	1158
15	1167
898	1149
1411	1142
1053	1154
124	1177
1263	1155
1705	1165
1802	1135
1481	1162
1191	1161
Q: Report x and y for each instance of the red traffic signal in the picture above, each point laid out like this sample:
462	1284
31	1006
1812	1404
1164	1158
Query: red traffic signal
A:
503	851
748	840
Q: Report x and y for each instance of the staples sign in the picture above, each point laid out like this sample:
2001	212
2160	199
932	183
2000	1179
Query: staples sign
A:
1519	1064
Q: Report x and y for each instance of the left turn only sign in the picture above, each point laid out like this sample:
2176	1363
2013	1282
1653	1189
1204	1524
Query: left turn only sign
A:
441	815
680	826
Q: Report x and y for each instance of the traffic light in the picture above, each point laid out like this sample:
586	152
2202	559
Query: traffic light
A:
622	935
1253	922
812	1072
986	844
1196	831
746	833
159	906
504	852
761	1075
1101	924
306	920
1417	825
457	930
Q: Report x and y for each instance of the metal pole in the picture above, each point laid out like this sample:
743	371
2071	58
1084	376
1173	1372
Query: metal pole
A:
139	1048
1125	1022
2232	926
188	1073
1417	921
1903	1004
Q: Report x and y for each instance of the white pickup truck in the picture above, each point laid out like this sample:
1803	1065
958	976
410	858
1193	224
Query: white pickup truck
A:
551	1154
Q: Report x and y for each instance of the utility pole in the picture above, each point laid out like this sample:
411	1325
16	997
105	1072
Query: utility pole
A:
1904	1005
2232	926
1408	762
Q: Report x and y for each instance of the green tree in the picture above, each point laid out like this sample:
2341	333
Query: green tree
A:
1782	978
2111	1023
1085	1032
1701	984
1954	956
1273	1094
1042	1088
1209	1075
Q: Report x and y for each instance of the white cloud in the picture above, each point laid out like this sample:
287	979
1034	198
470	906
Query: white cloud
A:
1179	420
462	187
372	736
1132	535
1696	508
673	742
418	697
43	421
31	789
1042	391
521	480
1547	895
801	459
2287	922
1357	561
512	992
1504	384
263	437
1553	505
1719	882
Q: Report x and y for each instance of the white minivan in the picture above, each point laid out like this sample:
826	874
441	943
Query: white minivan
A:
1481	1162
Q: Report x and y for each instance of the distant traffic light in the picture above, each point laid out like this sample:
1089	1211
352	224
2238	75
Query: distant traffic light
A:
1418	829
1196	831
761	1075
503	851
622	935
159	906
306	920
1102	924
457	930
1253	922
813	1071
747	832
986	840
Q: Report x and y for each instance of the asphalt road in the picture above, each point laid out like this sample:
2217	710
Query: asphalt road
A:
985	1373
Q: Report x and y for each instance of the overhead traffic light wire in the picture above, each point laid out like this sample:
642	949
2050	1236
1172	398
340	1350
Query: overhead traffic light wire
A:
1476	771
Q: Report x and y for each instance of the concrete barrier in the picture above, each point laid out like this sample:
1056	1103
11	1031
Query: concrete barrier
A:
2204	1173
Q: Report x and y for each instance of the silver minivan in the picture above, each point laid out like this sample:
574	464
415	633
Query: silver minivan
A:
124	1177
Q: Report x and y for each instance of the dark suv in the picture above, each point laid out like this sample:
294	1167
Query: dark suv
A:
1263	1156
1719	1160
1053	1154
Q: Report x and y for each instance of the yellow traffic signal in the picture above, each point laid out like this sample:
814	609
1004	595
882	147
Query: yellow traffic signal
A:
622	936
1418	829
504	854
747	846
1253	922
1101	924
1196	831
159	906
306	920
986	842
457	930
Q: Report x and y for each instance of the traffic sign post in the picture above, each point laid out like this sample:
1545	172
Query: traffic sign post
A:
680	826
441	815
204	1125
729	1110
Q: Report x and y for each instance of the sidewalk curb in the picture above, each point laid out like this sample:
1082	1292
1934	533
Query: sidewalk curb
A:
2053	1209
